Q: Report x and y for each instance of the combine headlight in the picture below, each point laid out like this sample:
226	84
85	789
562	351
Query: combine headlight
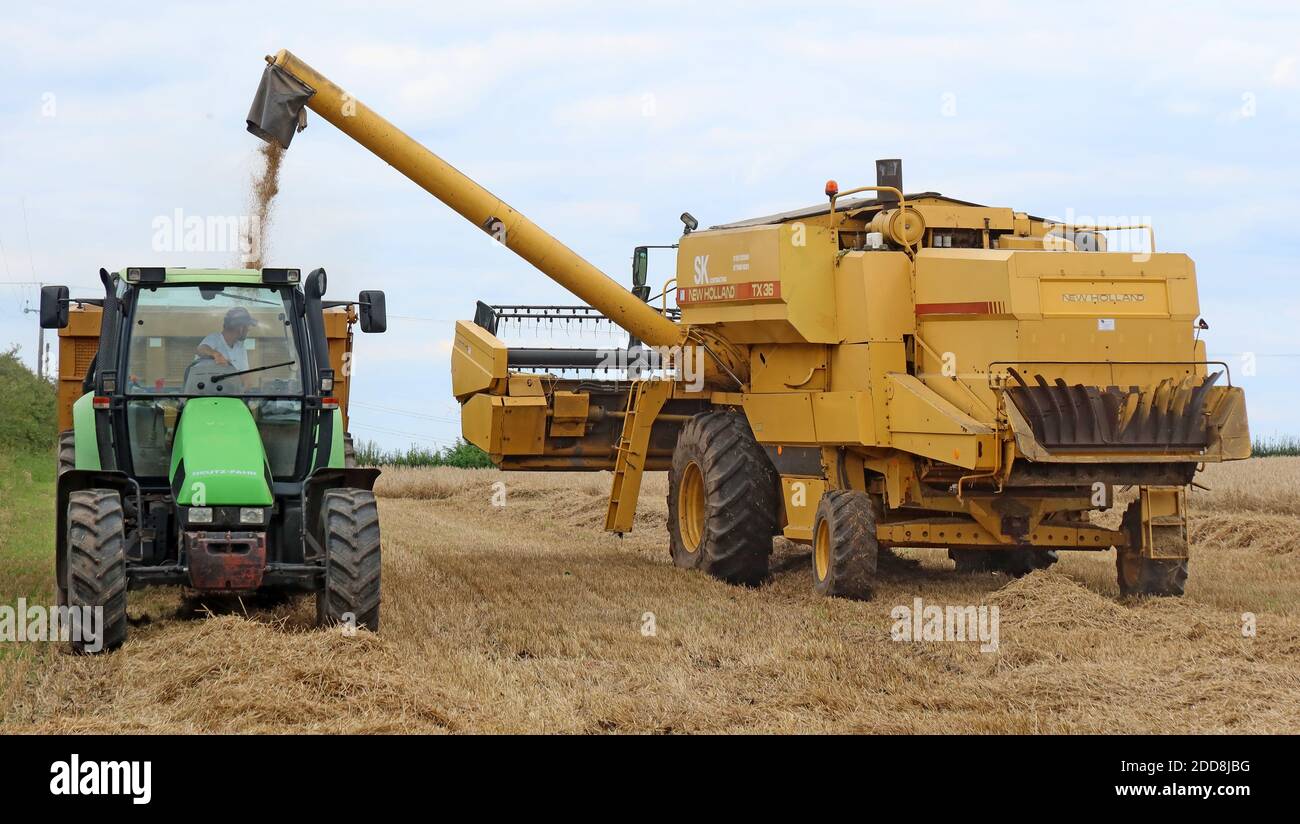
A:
251	515
200	515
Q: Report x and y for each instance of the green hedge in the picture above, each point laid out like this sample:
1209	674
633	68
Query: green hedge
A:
27	407
464	455
1274	446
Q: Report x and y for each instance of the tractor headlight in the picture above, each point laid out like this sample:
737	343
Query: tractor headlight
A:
200	515
251	515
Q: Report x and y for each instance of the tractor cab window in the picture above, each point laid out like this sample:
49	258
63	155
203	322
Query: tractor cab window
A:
231	340
213	340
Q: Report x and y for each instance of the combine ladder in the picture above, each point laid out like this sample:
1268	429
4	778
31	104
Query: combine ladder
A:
644	403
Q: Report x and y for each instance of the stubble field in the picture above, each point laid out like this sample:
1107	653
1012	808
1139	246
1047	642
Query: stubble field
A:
529	618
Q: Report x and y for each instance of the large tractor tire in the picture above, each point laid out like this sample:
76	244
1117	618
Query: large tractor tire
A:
722	500
96	564
67	451
1150	576
845	549
350	532
349	452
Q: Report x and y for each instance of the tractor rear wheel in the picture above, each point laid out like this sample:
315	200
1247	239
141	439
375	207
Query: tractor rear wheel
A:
722	500
349	452
1138	575
845	549
96	565
67	451
350	533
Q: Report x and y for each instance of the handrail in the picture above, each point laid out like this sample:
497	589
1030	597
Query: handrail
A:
902	204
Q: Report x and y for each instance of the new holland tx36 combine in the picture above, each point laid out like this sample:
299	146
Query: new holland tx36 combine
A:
203	443
899	370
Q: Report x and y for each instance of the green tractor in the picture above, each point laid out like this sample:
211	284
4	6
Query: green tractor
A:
207	447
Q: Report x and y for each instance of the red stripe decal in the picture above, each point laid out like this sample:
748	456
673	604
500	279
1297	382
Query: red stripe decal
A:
972	308
755	290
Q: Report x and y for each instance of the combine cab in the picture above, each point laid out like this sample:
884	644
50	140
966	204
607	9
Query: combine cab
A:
899	370
203	442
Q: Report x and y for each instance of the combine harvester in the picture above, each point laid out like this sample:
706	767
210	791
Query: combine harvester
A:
893	371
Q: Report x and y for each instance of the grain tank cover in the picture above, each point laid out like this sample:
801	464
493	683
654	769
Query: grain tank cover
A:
762	284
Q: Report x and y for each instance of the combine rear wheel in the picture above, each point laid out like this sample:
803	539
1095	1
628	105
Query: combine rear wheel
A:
1151	576
96	566
845	549
722	500
350	532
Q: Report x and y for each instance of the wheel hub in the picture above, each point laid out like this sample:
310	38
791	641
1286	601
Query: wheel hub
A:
691	507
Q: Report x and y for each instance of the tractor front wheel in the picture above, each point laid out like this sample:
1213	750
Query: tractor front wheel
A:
722	500
96	566
845	549
350	533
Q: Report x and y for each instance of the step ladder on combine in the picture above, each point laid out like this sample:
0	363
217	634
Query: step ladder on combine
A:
644	403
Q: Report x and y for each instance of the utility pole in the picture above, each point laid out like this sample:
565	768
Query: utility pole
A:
40	340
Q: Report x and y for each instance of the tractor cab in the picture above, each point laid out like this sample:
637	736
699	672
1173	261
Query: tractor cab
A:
209	414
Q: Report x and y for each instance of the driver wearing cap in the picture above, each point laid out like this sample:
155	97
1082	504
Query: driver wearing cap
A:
227	346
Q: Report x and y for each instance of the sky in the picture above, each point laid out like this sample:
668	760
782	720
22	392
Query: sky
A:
603	121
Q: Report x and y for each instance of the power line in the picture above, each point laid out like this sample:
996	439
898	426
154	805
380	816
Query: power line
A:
31	261
419	437
425	320
408	414
5	258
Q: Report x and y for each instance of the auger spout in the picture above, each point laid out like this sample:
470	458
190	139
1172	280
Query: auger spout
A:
289	84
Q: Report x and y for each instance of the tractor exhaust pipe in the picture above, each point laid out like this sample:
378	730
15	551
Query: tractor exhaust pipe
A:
289	86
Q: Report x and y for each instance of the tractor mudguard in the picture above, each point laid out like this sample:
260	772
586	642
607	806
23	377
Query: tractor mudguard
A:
322	481
85	433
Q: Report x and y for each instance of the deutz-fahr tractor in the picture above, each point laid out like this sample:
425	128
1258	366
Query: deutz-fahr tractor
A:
207	446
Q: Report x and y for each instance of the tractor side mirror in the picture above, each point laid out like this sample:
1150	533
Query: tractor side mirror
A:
374	314
640	265
314	286
54	307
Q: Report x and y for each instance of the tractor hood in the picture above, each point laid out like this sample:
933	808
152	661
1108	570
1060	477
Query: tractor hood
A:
217	457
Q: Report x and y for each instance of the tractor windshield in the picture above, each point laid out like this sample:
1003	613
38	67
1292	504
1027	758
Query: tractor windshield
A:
213	340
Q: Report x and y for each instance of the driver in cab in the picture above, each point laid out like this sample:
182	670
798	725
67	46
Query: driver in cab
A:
227	346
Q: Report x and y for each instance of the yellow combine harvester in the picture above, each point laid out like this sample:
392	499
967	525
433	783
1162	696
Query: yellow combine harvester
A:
886	371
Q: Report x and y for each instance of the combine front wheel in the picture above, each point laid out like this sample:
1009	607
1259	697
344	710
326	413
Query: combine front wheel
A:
350	529
721	500
845	548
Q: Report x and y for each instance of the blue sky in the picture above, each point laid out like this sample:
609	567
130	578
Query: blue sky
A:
603	122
